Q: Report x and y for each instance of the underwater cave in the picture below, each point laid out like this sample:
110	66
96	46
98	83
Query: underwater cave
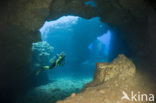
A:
77	51
84	42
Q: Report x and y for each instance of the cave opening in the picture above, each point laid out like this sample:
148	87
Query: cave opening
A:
131	24
84	42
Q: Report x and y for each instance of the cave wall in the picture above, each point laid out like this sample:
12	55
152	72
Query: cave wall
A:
129	18
19	24
20	21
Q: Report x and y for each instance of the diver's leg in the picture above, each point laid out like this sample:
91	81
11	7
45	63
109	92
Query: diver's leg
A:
41	69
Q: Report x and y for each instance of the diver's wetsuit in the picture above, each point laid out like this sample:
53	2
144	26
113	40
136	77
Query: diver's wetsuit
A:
56	61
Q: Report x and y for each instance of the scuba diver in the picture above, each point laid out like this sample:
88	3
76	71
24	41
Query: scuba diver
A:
58	60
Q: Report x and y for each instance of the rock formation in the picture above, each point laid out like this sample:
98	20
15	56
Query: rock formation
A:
42	52
120	68
110	81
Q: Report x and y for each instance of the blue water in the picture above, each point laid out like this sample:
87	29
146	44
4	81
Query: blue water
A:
84	43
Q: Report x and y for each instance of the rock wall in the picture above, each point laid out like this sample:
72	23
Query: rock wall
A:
19	24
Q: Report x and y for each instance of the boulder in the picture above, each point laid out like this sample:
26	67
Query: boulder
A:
113	80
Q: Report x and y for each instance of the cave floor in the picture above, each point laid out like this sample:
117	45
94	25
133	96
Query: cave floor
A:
57	90
65	90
